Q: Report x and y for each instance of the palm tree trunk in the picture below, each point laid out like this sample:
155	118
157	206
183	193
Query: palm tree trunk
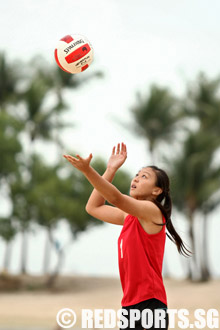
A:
205	274
189	268
24	252
51	280
192	271
61	254
46	261
7	256
152	153
186	267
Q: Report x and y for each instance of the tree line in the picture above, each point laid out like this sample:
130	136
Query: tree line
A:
184	133
31	106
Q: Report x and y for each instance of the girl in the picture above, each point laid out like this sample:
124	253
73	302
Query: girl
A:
144	215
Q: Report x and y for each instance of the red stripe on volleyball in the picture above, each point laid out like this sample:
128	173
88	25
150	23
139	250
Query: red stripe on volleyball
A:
58	62
67	39
84	67
78	54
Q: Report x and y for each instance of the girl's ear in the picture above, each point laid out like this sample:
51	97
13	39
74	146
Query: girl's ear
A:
157	191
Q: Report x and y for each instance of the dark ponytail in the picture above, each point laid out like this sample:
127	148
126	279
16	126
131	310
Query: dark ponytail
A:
164	202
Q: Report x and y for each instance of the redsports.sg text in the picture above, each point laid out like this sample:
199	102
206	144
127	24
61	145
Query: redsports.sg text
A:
110	318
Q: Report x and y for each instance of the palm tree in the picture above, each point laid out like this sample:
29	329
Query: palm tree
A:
194	183
10	146
41	96
51	197
7	232
40	113
161	117
156	117
9	77
38	123
10	149
203	103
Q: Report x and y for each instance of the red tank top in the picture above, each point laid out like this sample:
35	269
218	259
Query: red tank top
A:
140	257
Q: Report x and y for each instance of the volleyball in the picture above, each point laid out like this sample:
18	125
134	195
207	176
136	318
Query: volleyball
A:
74	53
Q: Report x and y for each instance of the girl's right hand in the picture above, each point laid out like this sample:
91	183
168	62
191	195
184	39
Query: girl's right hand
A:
118	156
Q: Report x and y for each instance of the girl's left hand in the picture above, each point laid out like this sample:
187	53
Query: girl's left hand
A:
82	164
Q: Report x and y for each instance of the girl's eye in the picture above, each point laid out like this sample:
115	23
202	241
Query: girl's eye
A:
143	176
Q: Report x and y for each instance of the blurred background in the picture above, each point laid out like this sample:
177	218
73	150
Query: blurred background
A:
154	85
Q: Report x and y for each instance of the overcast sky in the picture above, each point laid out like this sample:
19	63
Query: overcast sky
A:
136	43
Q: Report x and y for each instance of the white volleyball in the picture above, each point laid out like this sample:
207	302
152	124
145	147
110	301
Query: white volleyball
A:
74	53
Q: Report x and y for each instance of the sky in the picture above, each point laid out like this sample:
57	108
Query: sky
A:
136	43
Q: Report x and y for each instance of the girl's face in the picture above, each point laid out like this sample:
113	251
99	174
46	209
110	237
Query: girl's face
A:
143	185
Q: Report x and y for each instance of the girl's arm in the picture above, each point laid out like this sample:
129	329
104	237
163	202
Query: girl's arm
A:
144	210
96	203
95	199
116	160
97	208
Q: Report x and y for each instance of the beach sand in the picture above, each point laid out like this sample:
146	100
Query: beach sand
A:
37	309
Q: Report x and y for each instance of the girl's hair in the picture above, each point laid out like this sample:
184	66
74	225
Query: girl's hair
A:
163	182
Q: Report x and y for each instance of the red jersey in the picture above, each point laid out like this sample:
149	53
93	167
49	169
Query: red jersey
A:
140	257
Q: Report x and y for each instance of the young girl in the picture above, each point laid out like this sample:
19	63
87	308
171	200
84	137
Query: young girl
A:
144	215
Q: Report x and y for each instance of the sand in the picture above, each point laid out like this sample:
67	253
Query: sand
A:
37	309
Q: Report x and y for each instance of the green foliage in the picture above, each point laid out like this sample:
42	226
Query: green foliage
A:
46	194
193	172
7	229
199	177
8	79
157	116
193	177
41	119
38	192
203	103
10	146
